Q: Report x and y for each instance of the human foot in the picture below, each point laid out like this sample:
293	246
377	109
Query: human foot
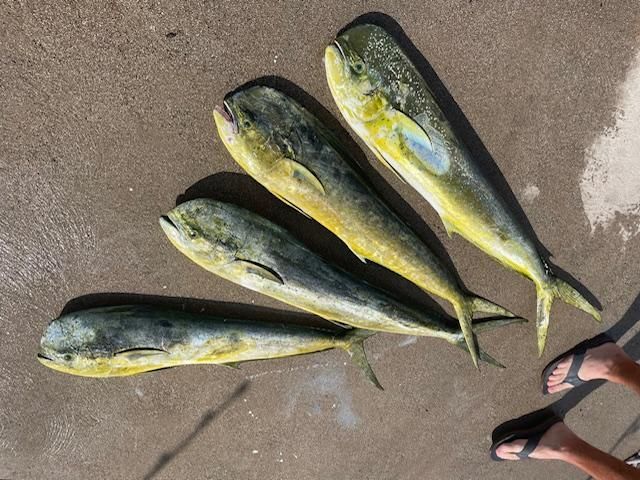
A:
600	362
553	444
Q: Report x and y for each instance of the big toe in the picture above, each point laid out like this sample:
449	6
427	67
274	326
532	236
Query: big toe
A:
508	451
558	387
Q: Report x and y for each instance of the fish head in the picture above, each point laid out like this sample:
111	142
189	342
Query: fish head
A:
257	125
353	77
203	230
68	345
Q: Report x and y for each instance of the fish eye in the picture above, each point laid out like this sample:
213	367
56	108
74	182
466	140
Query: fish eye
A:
67	357
193	234
358	67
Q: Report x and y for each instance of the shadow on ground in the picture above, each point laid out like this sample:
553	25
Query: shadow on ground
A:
205	421
229	310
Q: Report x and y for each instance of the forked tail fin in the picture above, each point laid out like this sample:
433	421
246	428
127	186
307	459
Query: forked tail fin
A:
484	325
479	304
464	313
547	293
353	345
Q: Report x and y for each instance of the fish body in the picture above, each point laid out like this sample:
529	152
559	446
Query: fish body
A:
386	101
131	339
291	153
253	252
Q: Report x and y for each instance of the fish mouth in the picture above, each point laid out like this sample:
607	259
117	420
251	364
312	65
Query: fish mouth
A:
227	114
168	226
43	358
166	220
336	43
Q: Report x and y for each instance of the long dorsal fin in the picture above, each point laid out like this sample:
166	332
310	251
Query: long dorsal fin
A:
255	268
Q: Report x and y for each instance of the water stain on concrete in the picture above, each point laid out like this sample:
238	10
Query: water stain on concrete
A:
530	193
610	184
326	393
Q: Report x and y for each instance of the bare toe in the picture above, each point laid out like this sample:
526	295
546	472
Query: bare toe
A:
559	387
508	451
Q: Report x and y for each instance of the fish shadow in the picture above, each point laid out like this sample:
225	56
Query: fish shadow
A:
467	134
245	192
206	420
230	310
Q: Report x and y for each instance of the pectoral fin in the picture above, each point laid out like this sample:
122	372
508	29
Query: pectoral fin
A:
414	140
262	271
133	354
301	173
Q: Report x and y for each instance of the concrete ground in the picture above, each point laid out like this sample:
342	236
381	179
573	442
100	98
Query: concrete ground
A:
105	118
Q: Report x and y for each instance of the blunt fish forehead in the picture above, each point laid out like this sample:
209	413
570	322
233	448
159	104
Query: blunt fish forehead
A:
198	212
68	333
205	227
368	41
261	107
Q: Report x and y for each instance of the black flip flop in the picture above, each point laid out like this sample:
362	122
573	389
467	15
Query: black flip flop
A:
532	435
578	352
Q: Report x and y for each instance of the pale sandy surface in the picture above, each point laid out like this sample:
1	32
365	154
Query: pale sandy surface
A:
105	117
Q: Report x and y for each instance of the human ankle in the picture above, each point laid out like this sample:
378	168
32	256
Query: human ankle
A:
571	445
622	369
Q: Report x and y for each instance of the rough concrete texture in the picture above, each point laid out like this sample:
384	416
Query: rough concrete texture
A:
105	118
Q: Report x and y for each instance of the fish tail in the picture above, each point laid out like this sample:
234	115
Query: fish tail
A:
353	345
547	293
464	313
483	326
571	296
484	356
479	304
486	324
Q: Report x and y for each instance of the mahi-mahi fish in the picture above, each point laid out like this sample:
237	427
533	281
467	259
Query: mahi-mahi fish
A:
251	251
383	97
130	339
291	153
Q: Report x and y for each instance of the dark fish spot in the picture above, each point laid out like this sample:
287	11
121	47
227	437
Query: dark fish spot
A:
172	34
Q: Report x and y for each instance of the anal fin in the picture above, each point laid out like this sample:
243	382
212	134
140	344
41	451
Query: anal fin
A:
234	365
362	259
449	228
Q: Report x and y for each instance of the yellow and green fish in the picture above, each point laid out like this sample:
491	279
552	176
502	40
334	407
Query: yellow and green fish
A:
251	251
131	339
386	101
291	153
